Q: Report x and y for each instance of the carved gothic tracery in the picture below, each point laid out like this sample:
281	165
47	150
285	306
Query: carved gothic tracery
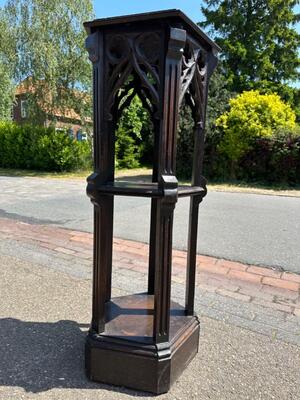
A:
194	80
133	69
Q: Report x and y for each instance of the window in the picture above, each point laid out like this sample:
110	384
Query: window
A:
71	133
24	108
81	136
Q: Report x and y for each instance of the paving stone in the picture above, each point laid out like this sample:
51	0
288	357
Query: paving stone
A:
280	292
213	268
264	271
276	306
64	250
232	265
281	283
291	277
206	259
256	293
246	276
234	295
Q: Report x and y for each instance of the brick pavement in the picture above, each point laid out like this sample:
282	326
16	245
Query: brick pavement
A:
266	287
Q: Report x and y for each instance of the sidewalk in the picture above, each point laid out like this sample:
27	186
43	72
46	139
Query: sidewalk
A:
247	283
45	310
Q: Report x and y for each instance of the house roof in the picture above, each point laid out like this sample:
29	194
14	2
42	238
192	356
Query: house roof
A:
27	86
24	87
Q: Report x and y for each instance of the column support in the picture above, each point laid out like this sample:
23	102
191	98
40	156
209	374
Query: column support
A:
103	139
169	185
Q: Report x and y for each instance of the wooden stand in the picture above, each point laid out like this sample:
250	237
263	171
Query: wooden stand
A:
144	341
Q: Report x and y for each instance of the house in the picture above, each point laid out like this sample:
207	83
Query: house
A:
69	120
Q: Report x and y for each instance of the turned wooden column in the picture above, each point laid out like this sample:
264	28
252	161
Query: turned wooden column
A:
144	340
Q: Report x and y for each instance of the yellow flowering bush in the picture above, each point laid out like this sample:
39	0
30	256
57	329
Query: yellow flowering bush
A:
252	115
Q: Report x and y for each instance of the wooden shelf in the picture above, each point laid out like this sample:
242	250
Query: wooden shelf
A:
140	189
131	189
131	318
184	191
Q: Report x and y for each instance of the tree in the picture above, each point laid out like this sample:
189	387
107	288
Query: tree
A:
6	83
7	94
133	136
218	99
259	42
48	39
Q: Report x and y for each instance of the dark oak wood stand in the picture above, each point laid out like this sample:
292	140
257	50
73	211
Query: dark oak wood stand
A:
145	341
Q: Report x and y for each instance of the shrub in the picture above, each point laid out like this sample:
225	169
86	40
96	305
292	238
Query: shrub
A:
33	147
252	115
273	159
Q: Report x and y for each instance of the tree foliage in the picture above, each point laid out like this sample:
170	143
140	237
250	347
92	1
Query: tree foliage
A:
259	42
218	99
6	93
252	115
6	60
133	136
48	46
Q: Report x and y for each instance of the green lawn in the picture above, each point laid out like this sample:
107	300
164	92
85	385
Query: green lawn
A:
144	174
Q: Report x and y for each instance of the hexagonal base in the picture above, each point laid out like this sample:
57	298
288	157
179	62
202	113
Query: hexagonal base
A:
125	355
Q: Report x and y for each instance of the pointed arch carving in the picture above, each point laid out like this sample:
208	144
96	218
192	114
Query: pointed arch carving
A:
194	79
133	68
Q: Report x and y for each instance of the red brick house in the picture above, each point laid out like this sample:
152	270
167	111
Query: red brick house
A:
68	120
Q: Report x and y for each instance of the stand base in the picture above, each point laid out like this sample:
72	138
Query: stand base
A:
125	354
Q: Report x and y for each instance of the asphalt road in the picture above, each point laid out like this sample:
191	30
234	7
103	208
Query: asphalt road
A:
255	229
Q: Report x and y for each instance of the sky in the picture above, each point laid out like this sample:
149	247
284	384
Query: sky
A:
113	8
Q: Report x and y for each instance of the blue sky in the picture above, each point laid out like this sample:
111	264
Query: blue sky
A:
111	8
119	7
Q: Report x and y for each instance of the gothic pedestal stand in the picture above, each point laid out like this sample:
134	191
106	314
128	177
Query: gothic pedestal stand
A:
145	341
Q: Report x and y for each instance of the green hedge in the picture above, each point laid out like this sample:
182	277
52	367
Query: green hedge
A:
38	148
274	159
267	158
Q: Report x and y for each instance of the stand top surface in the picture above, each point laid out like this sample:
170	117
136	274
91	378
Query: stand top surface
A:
173	16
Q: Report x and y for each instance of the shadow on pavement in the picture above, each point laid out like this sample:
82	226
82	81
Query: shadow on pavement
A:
31	220
39	356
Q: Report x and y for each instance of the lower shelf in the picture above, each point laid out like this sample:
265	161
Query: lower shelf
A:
125	355
131	318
